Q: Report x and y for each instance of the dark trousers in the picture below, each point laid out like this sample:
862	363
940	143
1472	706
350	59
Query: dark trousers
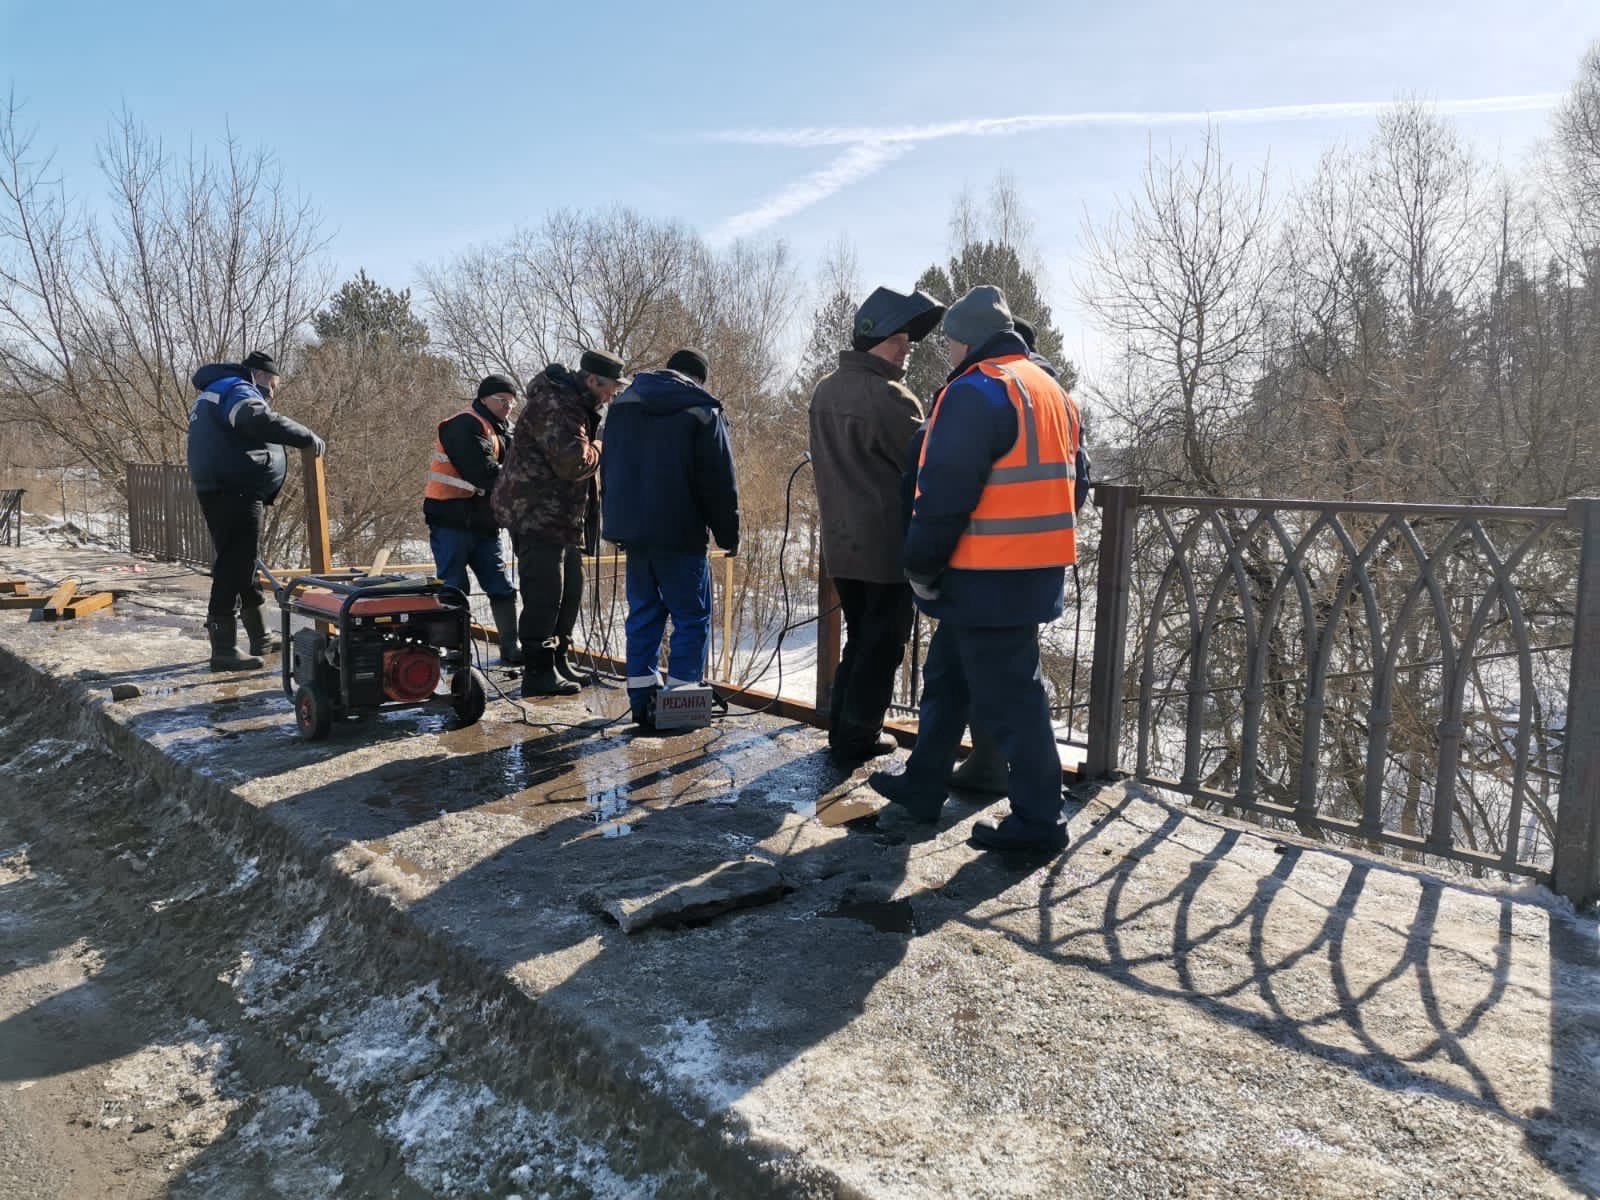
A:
877	622
990	677
234	519
551	579
454	550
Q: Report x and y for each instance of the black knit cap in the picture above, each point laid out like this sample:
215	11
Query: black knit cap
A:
603	364
493	385
691	363
260	360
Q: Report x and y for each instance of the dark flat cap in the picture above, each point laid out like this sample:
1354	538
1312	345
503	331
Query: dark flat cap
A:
604	364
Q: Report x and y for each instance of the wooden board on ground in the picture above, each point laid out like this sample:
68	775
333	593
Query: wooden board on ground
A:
13	587
85	605
8	603
56	605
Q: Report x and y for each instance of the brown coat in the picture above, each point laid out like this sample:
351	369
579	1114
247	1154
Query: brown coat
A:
862	422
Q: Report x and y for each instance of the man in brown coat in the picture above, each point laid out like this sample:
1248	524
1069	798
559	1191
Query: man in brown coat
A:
547	496
862	421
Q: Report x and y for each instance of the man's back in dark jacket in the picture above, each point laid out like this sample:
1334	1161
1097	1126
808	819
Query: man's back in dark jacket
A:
667	474
235	439
473	454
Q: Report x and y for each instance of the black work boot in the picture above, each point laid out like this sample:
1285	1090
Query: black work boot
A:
918	801
255	628
505	623
225	654
985	769
539	677
563	664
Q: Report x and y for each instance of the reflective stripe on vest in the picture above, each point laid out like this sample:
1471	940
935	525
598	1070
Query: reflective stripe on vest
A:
444	481
1024	518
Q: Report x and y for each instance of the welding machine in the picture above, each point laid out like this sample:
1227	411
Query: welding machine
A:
686	706
377	642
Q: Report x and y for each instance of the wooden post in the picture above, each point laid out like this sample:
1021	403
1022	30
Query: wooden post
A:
1119	511
1577	848
317	541
828	626
727	618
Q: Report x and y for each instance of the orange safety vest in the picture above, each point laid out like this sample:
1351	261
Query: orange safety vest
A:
444	481
1025	516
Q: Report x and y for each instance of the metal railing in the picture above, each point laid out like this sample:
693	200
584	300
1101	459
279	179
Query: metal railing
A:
1405	675
11	516
164	517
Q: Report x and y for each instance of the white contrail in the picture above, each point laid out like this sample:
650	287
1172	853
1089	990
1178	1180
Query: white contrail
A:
862	159
871	148
1029	123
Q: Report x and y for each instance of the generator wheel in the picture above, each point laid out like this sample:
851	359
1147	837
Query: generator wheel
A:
313	715
469	696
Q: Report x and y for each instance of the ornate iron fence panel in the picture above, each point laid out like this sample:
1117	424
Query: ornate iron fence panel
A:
1394	674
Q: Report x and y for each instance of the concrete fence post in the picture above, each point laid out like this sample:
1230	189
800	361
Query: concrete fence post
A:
1577	849
1119	512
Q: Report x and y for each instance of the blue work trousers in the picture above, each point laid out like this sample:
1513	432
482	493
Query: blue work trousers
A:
990	677
662	584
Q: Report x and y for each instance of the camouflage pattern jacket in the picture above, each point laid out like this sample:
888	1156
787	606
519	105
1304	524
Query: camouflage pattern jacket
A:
548	487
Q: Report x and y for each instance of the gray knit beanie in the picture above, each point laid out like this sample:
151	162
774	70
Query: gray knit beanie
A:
978	316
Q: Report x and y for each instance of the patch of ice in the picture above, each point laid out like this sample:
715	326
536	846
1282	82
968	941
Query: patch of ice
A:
689	1055
284	1128
391	1038
455	1139
257	973
50	754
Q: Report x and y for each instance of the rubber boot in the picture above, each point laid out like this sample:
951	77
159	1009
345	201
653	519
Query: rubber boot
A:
539	677
225	654
505	623
563	664
985	769
255	628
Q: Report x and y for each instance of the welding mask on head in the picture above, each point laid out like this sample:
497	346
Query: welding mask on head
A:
887	312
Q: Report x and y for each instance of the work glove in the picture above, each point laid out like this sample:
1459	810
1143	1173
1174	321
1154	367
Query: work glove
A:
318	446
924	589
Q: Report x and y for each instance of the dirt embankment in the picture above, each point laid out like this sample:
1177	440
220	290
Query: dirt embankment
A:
181	1018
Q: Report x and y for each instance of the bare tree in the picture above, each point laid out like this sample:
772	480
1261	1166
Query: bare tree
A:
102	320
1180	276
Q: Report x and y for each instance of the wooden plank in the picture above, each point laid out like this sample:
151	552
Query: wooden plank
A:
56	605
88	604
20	601
318	542
379	563
13	587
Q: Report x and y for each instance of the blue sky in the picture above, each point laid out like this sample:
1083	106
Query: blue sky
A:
419	130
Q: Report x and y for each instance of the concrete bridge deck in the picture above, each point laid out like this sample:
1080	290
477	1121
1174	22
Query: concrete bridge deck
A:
1176	1006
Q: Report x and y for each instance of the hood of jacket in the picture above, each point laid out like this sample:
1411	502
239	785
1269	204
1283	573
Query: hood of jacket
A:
662	393
212	372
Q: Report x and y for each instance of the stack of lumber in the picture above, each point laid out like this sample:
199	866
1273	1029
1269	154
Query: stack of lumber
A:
63	602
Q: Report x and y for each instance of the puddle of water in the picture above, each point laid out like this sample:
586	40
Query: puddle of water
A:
886	916
845	812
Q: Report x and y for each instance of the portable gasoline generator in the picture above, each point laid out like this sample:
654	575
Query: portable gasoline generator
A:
378	642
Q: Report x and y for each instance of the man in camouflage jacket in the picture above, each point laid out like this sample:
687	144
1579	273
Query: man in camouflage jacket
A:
547	497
